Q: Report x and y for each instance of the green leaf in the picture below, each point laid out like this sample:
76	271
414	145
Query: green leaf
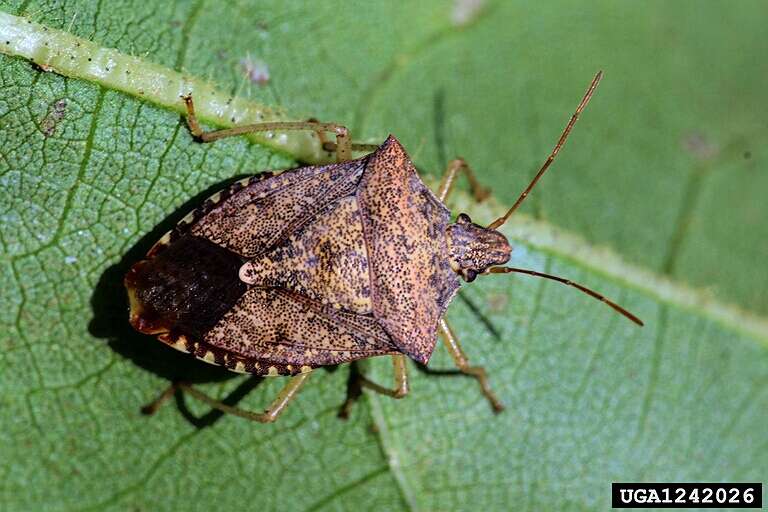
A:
657	195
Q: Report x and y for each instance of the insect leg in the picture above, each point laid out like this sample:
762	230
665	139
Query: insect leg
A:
343	141
356	146
286	395
332	146
401	380
152	407
461	361
449	176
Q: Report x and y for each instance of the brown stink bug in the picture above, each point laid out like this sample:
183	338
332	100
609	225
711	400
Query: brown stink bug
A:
321	265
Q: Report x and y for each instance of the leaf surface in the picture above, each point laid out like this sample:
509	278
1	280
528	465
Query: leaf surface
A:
664	171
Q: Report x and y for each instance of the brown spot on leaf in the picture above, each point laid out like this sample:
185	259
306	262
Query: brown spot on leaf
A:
55	114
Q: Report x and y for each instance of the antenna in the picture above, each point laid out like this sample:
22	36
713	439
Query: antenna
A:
501	220
592	293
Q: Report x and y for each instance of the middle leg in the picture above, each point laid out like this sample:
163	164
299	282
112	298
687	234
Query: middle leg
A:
401	380
361	381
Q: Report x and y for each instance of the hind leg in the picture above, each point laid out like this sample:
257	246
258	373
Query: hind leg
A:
270	414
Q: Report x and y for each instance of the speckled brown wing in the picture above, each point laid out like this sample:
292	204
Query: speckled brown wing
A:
404	226
273	331
326	260
189	282
252	216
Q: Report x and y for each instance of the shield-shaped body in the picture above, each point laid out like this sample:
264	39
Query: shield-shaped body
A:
316	266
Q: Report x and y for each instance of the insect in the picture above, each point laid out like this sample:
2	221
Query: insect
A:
321	265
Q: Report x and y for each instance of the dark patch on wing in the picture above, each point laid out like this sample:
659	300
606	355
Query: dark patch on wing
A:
187	287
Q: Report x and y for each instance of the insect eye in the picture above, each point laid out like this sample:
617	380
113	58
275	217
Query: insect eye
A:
463	218
470	275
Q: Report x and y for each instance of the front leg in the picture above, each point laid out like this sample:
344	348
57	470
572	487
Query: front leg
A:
461	361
